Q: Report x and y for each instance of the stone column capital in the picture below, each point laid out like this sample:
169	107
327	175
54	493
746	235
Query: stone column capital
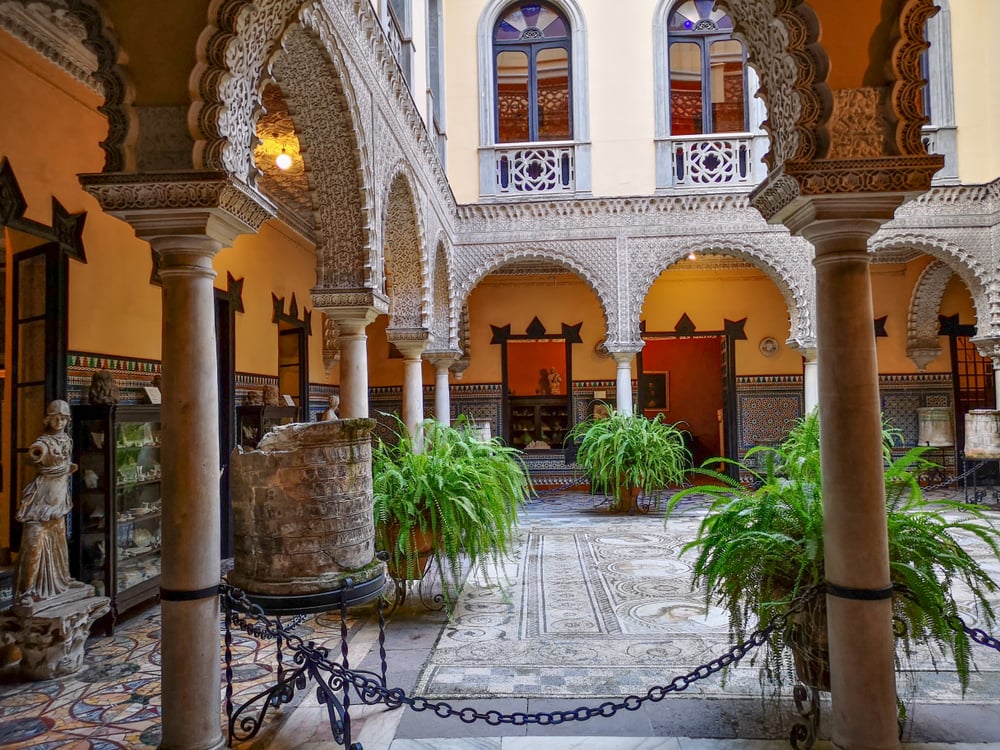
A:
805	347
442	358
180	204
350	307
989	346
410	341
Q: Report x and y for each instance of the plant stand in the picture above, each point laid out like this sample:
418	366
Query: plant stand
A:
805	726
398	588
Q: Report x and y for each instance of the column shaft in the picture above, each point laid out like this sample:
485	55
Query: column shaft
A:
442	390
810	385
191	525
623	381
353	369
413	394
856	545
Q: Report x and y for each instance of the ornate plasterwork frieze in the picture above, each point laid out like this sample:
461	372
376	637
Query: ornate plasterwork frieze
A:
782	38
962	203
318	92
908	87
73	35
343	304
443	322
859	128
130	196
795	182
52	31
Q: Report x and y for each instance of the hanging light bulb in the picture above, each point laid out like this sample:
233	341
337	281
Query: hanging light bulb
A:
692	256
283	161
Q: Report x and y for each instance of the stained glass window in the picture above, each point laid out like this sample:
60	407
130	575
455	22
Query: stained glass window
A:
707	71
531	59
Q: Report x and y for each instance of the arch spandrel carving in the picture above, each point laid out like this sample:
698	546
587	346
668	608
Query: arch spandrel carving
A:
444	326
317	89
788	267
406	256
922	325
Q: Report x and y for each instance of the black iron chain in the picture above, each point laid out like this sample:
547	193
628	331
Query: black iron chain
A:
371	691
958	623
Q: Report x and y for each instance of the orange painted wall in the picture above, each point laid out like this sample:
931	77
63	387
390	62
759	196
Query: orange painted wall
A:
709	298
846	28
499	300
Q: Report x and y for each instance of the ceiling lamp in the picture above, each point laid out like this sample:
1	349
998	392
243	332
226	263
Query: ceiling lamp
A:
283	161
692	256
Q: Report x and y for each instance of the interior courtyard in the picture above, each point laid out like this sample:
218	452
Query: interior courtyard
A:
727	212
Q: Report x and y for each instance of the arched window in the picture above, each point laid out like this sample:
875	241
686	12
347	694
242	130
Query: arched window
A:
708	82
531	73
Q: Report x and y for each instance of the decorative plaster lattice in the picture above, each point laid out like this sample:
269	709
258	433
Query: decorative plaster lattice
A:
922	343
406	258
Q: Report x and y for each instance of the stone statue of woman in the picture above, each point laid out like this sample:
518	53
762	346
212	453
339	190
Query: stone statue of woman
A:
43	563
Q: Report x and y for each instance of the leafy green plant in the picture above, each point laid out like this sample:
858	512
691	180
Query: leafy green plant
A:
760	547
626	453
460	489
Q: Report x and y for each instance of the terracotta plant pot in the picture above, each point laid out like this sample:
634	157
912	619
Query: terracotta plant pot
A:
411	564
807	636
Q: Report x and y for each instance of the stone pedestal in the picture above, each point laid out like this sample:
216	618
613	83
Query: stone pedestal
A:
51	634
302	510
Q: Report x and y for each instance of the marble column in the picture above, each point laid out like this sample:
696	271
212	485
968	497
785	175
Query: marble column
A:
413	384
856	544
442	362
191	520
623	381
354	366
187	217
810	380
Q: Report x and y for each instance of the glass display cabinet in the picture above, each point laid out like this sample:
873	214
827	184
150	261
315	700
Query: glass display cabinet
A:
116	528
253	422
538	423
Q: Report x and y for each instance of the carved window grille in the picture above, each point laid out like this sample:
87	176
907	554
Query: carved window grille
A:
700	162
535	170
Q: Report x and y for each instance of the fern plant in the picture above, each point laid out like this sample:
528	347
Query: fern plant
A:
760	546
462	491
625	453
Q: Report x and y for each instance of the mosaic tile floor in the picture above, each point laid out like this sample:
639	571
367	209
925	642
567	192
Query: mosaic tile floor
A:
113	703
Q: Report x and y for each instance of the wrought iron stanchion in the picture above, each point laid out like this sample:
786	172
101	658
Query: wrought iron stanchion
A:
310	662
805	726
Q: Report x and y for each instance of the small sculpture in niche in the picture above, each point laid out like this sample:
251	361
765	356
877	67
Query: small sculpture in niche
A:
555	381
103	389
271	396
43	564
330	413
544	386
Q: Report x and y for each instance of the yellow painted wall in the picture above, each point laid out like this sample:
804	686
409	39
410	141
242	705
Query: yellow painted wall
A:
976	64
710	298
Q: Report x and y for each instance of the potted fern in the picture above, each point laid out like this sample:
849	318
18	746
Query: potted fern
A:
626	454
760	546
455	499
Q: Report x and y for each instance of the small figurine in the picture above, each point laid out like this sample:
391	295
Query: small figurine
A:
271	396
252	398
555	381
103	389
331	411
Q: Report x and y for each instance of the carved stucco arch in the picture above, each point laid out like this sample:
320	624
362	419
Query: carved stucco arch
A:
794	289
444	326
316	85
469	278
406	254
922	324
926	300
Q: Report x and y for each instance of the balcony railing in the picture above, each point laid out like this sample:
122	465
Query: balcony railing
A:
535	168
718	160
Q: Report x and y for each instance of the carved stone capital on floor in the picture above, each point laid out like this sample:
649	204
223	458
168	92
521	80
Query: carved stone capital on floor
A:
196	203
51	634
